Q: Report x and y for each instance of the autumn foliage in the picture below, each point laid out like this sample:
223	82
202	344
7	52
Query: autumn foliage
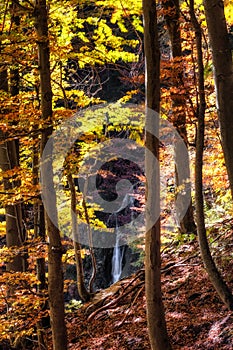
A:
96	56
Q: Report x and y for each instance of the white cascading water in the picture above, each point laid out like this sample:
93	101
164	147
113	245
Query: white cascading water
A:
117	258
118	252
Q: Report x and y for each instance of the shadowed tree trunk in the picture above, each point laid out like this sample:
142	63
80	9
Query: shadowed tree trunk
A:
155	311
172	17
9	159
55	273
82	291
223	72
214	275
14	230
40	232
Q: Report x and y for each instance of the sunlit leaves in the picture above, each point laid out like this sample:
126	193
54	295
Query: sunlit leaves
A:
228	9
20	305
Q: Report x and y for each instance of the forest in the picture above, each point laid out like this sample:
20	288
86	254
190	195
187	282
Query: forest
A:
116	174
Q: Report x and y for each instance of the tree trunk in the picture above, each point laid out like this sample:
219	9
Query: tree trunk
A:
39	232
38	219
223	72
55	272
172	17
214	275
82	291
9	159
14	230
155	311
92	253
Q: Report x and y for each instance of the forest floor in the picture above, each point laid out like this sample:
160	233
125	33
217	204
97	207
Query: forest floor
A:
196	318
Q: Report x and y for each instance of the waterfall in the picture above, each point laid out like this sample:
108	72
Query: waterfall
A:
118	252
117	258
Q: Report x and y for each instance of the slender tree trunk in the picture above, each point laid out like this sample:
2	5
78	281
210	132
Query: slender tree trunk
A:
14	72
172	17
155	311
210	266
39	220
82	291
14	230
39	232
55	272
4	78
9	159
223	72
92	253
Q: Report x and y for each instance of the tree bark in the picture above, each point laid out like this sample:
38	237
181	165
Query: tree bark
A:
214	275
172	17
39	219
14	231
223	72
55	272
39	232
82	291
9	159
92	253
155	311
